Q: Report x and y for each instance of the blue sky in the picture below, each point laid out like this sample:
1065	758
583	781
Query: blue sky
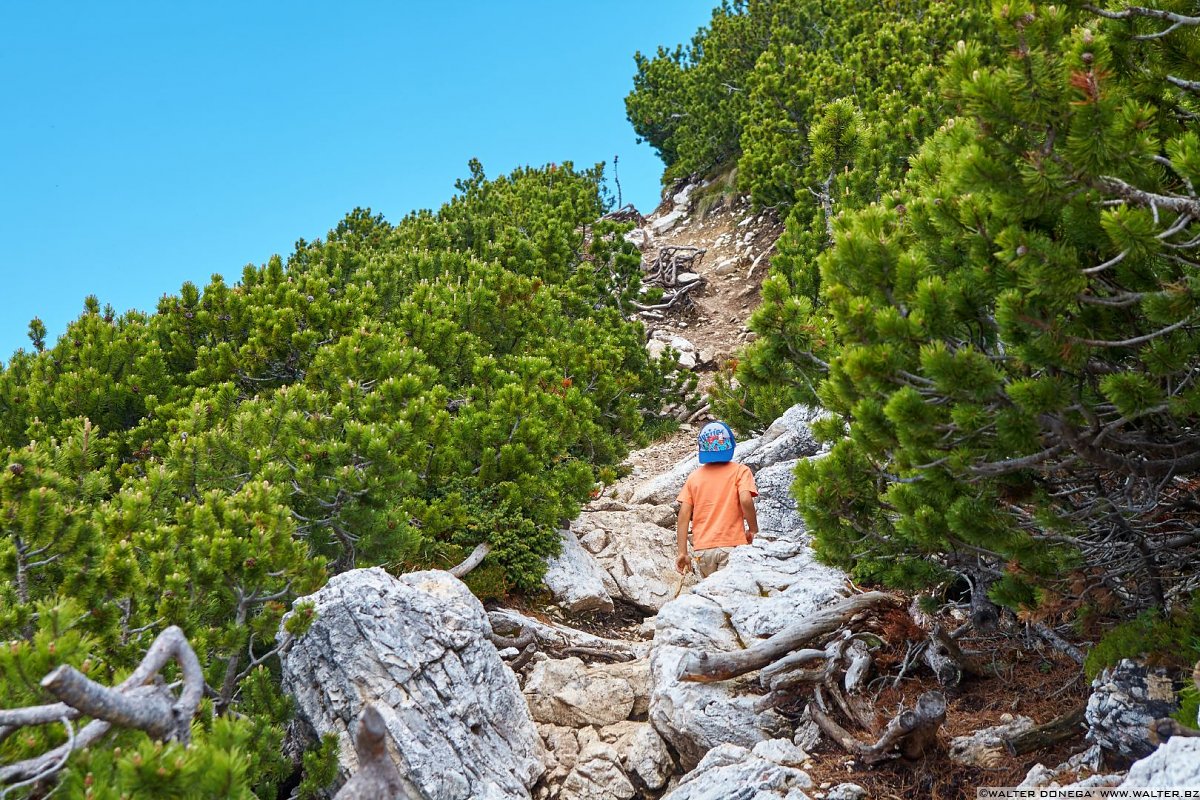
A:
145	144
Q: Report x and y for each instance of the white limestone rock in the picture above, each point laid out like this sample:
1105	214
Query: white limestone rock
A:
661	340
637	555
788	438
1175	764
575	579
667	221
419	647
1087	762
1126	699
681	198
646	756
569	693
731	771
597	775
726	267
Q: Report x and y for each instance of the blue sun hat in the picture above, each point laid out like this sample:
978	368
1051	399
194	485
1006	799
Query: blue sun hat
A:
716	443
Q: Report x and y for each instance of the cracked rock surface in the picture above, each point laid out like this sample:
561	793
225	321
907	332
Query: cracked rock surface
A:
1125	701
419	646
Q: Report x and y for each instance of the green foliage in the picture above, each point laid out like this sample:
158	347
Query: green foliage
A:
783	88
1008	336
215	765
320	769
1189	706
393	395
1172	640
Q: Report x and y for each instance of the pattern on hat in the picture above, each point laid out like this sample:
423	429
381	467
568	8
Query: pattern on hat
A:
714	438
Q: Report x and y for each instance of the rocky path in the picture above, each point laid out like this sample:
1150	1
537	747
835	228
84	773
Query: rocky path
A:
676	724
483	705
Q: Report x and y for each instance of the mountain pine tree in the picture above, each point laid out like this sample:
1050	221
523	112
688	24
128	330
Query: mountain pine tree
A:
1009	342
393	395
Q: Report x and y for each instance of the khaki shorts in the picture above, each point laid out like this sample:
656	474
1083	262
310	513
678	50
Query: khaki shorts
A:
711	559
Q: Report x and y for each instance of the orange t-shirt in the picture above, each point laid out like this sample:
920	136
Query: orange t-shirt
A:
712	491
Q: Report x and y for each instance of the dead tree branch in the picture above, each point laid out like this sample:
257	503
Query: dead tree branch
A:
708	667
1056	730
377	775
911	732
132	704
472	561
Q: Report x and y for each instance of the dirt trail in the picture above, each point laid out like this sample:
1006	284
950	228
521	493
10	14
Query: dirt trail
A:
738	244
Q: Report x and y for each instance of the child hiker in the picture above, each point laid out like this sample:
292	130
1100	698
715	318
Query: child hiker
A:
718	502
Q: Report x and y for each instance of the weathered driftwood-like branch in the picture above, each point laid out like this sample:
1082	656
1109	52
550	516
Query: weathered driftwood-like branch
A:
524	657
558	639
626	213
910	734
377	775
1165	728
1056	730
525	637
707	667
677	294
131	704
1058	643
472	561
670	261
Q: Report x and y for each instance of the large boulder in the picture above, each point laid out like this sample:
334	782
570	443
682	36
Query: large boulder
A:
765	587
1125	702
1175	764
787	438
638	555
575	579
567	692
597	775
590	763
418	646
768	772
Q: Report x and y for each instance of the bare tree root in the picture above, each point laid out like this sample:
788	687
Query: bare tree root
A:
670	262
910	734
707	667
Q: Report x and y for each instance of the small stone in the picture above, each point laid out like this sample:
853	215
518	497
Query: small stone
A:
847	791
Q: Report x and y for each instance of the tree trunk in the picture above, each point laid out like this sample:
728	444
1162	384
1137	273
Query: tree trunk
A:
377	775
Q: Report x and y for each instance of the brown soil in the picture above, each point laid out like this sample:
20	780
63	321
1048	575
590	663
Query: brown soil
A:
736	239
1034	681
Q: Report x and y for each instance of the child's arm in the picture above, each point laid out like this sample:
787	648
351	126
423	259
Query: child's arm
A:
746	500
681	533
